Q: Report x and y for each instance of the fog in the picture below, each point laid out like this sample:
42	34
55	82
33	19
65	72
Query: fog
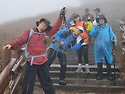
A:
18	15
16	9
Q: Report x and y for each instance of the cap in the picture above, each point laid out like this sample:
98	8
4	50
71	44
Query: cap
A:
80	28
102	16
74	15
46	21
97	9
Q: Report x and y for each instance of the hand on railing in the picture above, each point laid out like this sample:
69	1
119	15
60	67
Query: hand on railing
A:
7	46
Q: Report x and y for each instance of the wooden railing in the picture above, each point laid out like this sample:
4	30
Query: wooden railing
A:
12	69
122	28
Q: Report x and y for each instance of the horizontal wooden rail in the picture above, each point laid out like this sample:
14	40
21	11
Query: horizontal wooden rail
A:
5	73
16	66
12	70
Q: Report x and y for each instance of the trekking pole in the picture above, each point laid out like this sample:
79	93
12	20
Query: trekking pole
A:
65	26
114	54
64	23
64	18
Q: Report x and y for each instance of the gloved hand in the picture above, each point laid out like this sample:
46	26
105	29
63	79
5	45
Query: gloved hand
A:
62	12
113	41
94	23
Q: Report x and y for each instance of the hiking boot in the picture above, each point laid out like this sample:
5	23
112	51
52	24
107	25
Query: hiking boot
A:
79	69
110	78
62	82
87	68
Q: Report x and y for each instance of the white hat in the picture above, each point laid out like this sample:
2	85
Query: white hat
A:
80	28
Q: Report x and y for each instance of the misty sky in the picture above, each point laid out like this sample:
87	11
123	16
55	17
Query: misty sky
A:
15	9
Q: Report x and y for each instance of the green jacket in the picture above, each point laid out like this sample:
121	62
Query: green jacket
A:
89	26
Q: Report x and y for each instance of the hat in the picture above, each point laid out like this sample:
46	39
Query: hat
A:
80	28
101	17
97	9
86	10
46	21
74	15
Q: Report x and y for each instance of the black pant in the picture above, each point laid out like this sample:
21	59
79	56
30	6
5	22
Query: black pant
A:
44	77
83	51
62	60
88	33
100	69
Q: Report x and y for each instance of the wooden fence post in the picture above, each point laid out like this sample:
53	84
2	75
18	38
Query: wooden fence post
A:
17	54
6	60
6	57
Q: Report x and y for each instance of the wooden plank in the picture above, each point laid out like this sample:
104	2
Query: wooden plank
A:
6	58
5	73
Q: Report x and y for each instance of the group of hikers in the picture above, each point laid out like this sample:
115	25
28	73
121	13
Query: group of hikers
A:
76	35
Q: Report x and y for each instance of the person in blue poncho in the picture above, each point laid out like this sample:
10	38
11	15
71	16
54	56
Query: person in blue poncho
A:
104	37
60	45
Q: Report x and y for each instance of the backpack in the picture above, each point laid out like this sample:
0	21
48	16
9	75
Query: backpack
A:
64	35
26	52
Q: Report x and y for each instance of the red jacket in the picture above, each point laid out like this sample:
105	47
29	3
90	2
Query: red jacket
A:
37	45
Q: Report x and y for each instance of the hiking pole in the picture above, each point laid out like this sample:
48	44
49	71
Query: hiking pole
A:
64	18
114	54
65	25
62	14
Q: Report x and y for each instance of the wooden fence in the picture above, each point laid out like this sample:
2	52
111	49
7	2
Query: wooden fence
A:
12	69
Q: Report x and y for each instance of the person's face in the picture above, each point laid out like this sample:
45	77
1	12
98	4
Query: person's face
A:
87	12
96	12
42	26
78	32
77	19
101	21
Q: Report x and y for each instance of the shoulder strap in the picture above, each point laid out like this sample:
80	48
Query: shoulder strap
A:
30	34
44	33
32	31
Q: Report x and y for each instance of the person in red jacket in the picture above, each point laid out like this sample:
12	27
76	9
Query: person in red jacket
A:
35	52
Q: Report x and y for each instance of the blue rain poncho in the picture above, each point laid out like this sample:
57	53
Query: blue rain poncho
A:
103	41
